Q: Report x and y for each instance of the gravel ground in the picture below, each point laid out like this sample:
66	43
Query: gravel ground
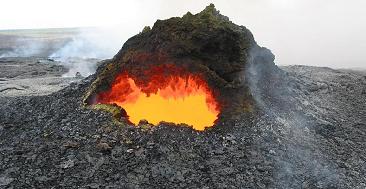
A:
32	76
309	134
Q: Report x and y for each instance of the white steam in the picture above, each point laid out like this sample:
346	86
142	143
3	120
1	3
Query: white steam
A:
25	47
90	43
81	54
281	103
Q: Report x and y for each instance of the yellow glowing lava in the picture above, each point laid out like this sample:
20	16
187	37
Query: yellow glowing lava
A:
170	99
191	110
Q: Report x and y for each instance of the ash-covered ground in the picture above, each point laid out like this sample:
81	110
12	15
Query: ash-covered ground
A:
310	134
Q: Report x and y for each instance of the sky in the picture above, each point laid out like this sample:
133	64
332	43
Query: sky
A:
309	32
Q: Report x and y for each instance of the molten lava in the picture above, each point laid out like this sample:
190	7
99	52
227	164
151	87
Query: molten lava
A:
160	95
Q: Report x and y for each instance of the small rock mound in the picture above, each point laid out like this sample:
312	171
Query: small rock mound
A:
206	43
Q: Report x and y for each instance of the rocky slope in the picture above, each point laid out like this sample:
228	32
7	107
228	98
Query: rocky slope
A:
308	132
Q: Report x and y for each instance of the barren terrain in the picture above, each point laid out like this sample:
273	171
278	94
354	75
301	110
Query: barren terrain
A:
309	132
49	141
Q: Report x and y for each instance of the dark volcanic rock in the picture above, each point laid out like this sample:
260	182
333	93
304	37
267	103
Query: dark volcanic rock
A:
207	43
297	138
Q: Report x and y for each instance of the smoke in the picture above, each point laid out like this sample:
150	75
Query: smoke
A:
24	47
89	43
78	49
84	50
299	162
79	66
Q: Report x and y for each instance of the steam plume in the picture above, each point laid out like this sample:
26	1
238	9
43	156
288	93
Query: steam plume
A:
85	49
280	103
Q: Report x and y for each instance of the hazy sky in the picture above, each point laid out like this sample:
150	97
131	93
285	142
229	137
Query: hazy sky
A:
312	32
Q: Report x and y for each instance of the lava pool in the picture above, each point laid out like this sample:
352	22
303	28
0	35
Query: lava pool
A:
164	93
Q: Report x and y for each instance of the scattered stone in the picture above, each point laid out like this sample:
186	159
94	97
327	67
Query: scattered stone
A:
5	181
78	75
363	91
130	150
67	164
94	186
143	122
42	179
139	152
104	147
71	144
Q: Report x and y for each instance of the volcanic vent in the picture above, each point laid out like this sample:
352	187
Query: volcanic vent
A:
189	70
163	93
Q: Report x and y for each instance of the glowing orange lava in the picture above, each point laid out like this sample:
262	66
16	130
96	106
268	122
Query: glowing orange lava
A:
177	98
